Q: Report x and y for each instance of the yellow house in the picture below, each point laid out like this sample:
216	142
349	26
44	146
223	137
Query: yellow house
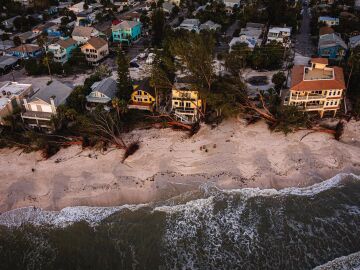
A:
143	96
95	50
186	102
317	88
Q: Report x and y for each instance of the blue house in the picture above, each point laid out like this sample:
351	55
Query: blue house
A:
26	51
331	46
126	31
62	49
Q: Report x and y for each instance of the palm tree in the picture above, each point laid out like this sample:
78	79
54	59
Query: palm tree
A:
42	44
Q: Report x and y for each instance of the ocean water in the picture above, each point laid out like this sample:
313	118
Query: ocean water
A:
295	228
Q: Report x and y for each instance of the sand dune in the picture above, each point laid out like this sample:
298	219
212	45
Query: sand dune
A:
168	163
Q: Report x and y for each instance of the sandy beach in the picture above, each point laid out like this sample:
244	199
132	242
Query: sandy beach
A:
169	163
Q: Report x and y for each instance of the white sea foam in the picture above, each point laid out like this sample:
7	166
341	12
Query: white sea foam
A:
62	218
305	191
93	215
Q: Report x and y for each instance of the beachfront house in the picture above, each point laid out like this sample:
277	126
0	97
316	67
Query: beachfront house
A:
279	34
143	96
95	50
41	107
11	97
317	88
25	51
331	46
81	34
186	102
102	92
126	31
329	21
62	49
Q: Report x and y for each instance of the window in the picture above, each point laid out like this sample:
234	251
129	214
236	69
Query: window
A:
327	103
145	99
38	108
176	103
139	93
339	92
188	104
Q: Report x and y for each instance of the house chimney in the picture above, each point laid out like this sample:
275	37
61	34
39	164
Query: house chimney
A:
53	107
26	105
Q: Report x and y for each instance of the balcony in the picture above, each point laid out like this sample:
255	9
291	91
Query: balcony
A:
313	107
307	97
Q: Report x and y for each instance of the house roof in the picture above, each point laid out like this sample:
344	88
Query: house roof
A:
354	41
44	26
6	61
107	86
331	40
124	25
320	60
83	31
66	43
97	42
168	6
327	18
25	48
299	84
144	85
326	30
56	91
209	25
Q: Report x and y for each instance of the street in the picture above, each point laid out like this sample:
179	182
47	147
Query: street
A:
303	43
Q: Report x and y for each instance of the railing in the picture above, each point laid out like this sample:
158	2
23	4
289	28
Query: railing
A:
308	97
314	107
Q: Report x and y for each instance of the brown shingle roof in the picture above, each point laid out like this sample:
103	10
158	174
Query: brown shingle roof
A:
66	43
25	48
326	30
97	43
298	84
83	31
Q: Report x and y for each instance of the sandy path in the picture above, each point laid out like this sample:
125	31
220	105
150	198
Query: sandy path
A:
168	163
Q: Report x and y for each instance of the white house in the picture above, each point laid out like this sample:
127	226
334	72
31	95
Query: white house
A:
251	35
42	106
82	34
279	34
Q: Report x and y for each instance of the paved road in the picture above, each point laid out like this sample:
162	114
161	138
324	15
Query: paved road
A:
303	43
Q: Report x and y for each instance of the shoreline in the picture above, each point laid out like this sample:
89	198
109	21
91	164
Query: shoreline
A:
168	163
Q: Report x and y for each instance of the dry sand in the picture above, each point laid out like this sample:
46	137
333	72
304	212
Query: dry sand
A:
168	163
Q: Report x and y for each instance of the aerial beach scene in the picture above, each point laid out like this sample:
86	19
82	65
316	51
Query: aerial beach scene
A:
219	134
